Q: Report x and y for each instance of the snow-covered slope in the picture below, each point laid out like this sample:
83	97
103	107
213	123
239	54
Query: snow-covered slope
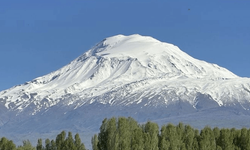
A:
134	75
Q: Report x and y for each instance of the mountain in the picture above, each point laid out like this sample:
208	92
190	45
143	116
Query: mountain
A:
134	75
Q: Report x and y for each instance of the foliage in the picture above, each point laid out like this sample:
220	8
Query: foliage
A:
126	134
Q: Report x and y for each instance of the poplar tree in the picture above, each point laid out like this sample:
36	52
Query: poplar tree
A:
39	144
207	139
69	143
94	142
188	137
124	134
60	140
102	136
26	146
172	136
225	141
137	139
78	143
196	140
6	144
48	144
164	142
53	145
151	135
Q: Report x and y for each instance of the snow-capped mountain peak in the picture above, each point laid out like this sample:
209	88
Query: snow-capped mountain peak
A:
115	62
153	54
134	75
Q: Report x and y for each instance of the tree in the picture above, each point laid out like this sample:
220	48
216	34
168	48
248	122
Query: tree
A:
26	146
78	143
60	140
188	137
53	145
164	142
196	140
244	140
137	140
207	139
39	144
47	144
151	131
225	141
124	133
94	142
6	144
102	136
107	138
172	137
69	143
235	135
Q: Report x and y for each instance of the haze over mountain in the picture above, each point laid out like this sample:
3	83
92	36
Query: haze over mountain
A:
134	75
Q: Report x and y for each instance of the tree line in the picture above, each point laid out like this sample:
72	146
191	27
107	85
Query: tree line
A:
62	142
127	134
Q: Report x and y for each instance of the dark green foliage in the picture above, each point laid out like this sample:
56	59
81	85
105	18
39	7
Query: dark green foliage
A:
39	144
188	137
244	139
78	143
137	139
60	140
225	140
207	139
6	144
47	144
53	145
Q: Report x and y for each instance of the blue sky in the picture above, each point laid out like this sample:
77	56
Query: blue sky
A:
41	36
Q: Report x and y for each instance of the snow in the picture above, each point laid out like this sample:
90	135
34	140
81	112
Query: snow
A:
121	76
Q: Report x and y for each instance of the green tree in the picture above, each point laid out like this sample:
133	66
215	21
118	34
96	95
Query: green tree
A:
172	137
69	143
225	141
6	144
107	138
39	145
137	140
188	137
196	139
164	143
124	133
235	135
244	139
60	140
47	144
102	136
151	135
78	143
53	145
207	139
94	142
26	146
